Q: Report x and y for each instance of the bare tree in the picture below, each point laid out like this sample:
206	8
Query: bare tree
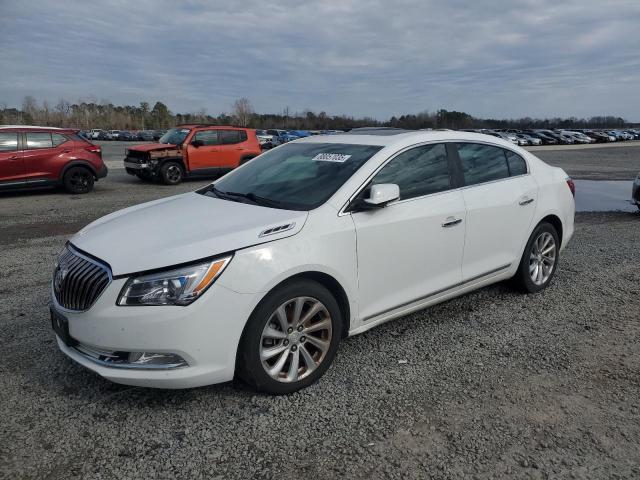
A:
242	111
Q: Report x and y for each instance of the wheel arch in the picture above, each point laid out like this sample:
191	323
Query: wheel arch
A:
78	163
555	221
327	281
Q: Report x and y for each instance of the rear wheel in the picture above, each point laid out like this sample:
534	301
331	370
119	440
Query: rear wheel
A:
291	338
78	180
539	260
171	173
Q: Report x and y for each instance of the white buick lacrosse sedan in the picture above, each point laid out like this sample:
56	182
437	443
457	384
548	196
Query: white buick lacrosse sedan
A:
260	274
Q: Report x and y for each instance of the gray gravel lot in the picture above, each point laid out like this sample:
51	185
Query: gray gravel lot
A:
496	384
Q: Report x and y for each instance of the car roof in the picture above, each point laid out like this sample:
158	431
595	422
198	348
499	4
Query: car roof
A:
204	125
407	138
35	127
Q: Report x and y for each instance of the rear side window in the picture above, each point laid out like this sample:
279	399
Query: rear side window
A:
517	165
228	137
207	137
242	135
8	141
58	139
418	172
482	163
38	140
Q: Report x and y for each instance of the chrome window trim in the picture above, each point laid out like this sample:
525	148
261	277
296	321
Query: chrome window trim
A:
342	212
100	264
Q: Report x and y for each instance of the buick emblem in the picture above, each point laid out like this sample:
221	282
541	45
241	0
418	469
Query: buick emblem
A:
59	276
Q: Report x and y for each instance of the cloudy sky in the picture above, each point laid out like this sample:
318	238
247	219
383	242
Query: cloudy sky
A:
379	58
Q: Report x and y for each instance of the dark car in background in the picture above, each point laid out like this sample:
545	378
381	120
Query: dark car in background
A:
32	157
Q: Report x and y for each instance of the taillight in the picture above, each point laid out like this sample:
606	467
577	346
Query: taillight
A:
572	186
94	149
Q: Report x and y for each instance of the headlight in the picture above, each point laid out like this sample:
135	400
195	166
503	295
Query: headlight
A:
181	286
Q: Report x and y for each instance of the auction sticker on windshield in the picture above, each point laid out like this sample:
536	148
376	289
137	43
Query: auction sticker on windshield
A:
331	157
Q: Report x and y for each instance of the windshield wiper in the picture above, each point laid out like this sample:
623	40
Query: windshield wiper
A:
252	197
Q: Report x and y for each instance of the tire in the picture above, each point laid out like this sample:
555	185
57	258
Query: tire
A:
285	341
171	173
533	273
78	180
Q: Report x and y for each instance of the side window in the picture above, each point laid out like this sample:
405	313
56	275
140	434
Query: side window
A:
419	171
207	137
8	141
482	163
517	165
242	135
228	137
58	139
38	140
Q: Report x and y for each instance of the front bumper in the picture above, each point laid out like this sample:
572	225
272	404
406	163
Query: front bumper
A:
205	334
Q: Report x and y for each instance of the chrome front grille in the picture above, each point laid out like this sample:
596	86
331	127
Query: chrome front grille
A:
78	280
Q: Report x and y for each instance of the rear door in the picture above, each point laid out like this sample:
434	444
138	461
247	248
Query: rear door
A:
11	161
232	147
500	197
411	249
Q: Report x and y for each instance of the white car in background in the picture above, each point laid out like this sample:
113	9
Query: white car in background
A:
261	274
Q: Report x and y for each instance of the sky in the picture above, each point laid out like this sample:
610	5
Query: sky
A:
492	59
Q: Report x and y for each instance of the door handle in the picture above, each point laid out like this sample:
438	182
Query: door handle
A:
526	201
15	157
451	222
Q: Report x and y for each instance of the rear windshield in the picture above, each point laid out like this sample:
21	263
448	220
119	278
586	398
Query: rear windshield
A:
296	176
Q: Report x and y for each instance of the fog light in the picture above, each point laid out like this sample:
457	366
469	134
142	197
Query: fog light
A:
151	359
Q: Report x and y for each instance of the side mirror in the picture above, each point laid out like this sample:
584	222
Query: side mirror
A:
382	194
197	143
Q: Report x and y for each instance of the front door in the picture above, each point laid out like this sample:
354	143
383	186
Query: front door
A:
206	155
412	248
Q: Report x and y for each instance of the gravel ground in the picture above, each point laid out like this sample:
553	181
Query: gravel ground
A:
491	385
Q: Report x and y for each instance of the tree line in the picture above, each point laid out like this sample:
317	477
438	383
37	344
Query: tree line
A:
105	115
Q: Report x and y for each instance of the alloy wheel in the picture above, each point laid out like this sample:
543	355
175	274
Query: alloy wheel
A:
79	181
173	173
542	259
295	339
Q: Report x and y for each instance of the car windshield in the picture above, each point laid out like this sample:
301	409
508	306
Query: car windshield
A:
175	136
298	176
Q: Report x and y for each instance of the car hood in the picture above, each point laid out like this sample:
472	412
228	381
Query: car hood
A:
152	146
181	229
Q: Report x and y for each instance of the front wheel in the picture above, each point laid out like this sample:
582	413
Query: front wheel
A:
171	173
291	338
539	260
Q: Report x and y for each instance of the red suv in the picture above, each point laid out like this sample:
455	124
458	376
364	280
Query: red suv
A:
48	157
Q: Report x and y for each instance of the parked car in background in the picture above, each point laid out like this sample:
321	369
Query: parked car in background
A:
48	157
300	133
261	274
192	151
529	139
158	133
126	136
266	140
281	136
545	139
145	135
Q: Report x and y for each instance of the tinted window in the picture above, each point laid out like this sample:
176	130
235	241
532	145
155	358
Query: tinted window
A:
419	171
482	163
207	137
298	176
8	141
242	135
39	140
517	165
58	139
228	136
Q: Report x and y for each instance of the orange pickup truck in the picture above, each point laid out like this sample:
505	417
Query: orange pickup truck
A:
192	151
